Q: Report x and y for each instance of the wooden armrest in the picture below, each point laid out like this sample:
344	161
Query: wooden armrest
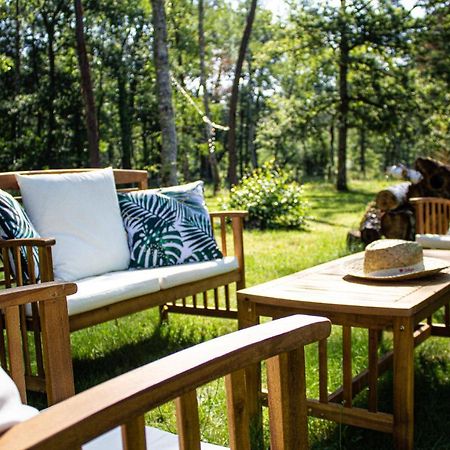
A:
34	242
237	224
93	412
54	324
35	293
14	267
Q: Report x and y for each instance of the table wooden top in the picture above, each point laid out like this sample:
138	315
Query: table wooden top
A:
327	287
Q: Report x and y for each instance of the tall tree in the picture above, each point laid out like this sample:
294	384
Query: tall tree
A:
51	17
232	157
164	95
17	69
343	108
86	87
208	127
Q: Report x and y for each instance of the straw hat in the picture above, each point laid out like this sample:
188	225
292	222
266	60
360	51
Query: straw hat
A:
395	259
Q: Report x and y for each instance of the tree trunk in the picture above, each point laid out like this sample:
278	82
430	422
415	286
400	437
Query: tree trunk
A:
344	50
17	76
362	151
209	132
232	159
124	118
331	155
36	80
49	155
86	88
164	96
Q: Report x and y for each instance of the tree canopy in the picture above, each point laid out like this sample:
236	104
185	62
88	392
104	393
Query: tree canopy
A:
325	89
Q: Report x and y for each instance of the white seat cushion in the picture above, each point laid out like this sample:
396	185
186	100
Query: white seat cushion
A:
187	273
12	411
113	287
156	439
81	211
434	241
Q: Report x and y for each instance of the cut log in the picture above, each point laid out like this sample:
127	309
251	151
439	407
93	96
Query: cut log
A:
393	197
370	226
399	224
436	178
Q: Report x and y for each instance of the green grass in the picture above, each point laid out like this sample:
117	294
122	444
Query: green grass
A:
109	349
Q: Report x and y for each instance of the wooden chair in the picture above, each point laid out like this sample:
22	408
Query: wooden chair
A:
433	218
124	400
432	214
50	299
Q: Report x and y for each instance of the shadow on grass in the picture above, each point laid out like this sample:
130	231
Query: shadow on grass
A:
163	341
432	410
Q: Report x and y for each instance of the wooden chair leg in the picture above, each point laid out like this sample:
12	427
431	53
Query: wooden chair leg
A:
287	401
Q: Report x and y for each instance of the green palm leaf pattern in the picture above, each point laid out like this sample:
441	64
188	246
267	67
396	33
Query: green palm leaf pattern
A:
197	234
162	231
150	220
15	224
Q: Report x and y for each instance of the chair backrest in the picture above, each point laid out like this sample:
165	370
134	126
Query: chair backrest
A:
138	178
124	400
432	215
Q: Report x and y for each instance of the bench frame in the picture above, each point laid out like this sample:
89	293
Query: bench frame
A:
191	298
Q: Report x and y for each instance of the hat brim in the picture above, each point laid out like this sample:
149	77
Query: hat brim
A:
355	268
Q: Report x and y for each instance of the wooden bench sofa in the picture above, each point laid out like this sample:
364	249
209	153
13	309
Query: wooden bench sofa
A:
203	296
117	406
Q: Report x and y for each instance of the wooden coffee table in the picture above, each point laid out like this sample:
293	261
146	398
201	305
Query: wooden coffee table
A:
404	307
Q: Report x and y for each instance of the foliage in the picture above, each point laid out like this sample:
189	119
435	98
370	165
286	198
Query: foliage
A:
271	198
398	75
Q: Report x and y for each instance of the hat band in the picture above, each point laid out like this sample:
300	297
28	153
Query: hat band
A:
398	270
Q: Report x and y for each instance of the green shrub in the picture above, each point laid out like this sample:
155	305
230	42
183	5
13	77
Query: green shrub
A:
271	198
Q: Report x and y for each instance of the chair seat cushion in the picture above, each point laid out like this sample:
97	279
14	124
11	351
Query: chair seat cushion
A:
113	287
12	410
187	273
440	241
156	439
110	288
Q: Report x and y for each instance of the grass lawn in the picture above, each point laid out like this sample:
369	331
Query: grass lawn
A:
113	348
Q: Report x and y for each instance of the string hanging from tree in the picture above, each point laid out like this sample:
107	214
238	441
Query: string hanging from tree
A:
214	126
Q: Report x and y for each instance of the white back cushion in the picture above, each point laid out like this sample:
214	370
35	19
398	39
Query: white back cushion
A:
12	411
81	211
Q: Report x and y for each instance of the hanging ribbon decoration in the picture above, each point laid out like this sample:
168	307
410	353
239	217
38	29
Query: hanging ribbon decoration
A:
214	126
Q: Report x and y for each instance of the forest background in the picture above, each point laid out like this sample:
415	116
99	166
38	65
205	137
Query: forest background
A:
325	88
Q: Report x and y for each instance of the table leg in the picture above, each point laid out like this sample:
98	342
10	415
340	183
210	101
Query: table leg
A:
403	383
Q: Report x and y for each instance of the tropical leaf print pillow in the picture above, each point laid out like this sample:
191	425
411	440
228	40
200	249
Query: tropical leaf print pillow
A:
15	224
164	232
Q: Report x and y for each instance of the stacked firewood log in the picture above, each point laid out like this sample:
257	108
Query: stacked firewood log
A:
391	215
